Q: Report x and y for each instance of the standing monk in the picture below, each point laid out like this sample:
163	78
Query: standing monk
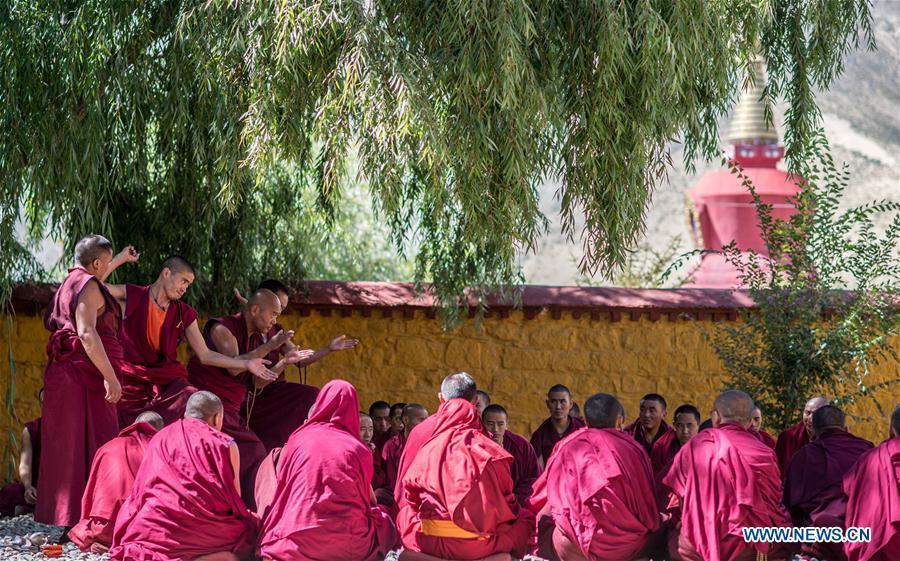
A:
397	418
156	322
650	428
243	336
525	469
323	506
413	414
380	412
797	436
756	428
81	381
112	477
455	491
559	425
276	409
812	490
186	503
725	479
595	500
876	475
687	424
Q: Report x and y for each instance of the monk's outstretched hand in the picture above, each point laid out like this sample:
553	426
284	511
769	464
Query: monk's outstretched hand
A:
342	343
259	368
280	339
298	355
113	389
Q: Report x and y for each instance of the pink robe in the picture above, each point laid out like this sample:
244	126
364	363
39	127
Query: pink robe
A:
726	479
153	380
872	488
232	390
322	507
266	479
525	469
598	487
452	472
77	419
545	437
184	503
112	477
789	441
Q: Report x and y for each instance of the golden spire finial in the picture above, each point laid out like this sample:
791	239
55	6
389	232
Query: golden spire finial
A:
748	121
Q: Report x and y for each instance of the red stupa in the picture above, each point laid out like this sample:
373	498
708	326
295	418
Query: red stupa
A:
723	208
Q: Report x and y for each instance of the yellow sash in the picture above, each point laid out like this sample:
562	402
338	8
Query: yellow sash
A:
447	529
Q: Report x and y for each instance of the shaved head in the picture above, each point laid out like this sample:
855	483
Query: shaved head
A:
264	298
811	406
603	411
734	406
91	247
152	418
262	310
177	264
275	286
459	385
828	417
203	405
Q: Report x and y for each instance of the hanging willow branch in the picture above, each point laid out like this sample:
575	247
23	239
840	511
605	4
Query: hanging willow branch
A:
157	122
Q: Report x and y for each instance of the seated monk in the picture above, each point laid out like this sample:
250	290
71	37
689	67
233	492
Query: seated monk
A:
81	380
872	488
396	419
812	490
525	469
559	425
323	506
156	321
455	491
796	436
244	336
595	500
686	422
380	412
725	479
112	477
650	428
18	498
482	400
367	435
186	503
274	410
412	415
756	428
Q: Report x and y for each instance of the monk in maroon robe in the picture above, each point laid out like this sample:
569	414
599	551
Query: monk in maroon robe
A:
812	490
367	434
112	477
455	491
797	436
723	480
81	381
413	415
686	424
323	506
595	499
482	400
156	322
525	469
650	429
872	488
186	504
274	410
559	425
243	336
756	429
21	496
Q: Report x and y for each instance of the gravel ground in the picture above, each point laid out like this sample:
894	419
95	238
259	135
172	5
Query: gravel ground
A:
17	534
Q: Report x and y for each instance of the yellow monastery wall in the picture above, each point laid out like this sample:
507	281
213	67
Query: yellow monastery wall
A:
515	359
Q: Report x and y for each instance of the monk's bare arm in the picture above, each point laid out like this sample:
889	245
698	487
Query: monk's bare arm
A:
211	357
236	465
25	459
127	255
90	301
228	347
339	343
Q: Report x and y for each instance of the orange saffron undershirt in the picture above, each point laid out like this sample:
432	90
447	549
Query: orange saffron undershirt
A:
155	319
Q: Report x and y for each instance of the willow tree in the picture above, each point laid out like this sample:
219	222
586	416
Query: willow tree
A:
161	122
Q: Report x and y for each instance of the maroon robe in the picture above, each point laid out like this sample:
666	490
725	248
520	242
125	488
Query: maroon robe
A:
545	437
789	441
663	439
153	380
390	458
112	477
525	469
232	390
277	410
77	419
12	495
872	488
812	490
764	437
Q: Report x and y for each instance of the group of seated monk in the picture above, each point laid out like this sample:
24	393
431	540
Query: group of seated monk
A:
224	459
